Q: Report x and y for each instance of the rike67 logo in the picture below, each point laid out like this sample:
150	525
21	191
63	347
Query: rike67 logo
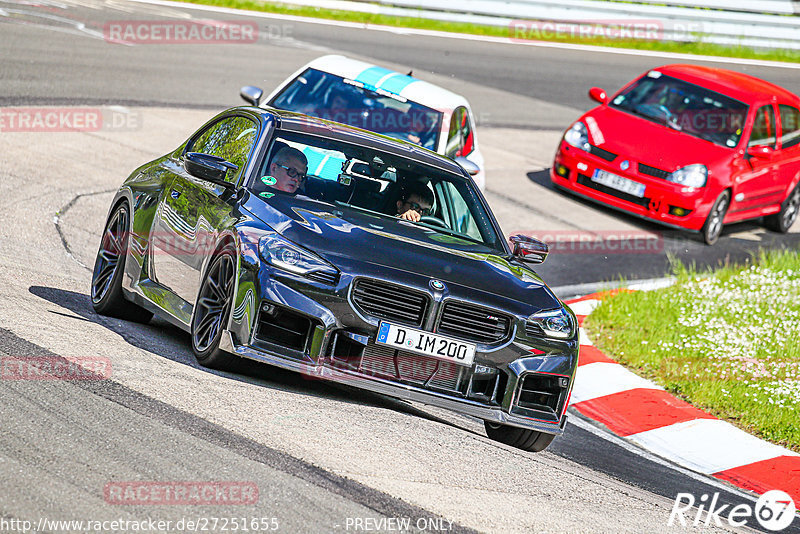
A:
774	511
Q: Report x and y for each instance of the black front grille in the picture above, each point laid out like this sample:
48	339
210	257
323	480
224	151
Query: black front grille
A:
652	171
324	277
387	362
474	323
481	383
541	393
533	329
587	182
600	153
283	327
390	301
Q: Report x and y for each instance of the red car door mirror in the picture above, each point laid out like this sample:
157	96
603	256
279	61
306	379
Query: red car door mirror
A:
761	152
598	95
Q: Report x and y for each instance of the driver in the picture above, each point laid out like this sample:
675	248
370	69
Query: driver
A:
287	170
415	202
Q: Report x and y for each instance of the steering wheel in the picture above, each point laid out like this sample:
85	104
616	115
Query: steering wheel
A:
433	221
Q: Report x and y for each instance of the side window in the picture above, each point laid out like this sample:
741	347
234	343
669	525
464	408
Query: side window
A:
764	128
231	138
461	219
460	139
790	126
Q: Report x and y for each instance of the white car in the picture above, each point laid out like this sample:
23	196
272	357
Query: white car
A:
381	100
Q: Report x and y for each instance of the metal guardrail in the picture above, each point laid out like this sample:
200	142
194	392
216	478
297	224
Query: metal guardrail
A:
778	7
754	23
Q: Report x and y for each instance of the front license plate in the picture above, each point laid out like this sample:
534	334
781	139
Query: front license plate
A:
619	183
433	345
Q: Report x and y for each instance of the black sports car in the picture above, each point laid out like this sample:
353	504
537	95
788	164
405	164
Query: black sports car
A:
344	255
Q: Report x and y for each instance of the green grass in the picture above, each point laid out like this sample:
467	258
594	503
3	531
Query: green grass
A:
501	31
727	341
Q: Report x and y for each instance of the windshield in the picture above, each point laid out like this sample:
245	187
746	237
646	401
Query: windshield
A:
685	107
332	97
358	180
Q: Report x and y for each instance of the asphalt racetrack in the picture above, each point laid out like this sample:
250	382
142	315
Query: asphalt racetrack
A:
324	458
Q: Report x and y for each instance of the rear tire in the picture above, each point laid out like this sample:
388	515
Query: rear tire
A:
521	438
712	228
109	268
784	219
212	309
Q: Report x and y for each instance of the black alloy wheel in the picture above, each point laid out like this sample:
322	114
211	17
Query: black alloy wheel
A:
109	268
212	310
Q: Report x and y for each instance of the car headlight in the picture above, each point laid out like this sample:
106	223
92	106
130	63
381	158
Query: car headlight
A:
554	323
578	136
690	176
284	254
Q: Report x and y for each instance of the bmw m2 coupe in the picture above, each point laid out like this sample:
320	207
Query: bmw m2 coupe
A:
334	252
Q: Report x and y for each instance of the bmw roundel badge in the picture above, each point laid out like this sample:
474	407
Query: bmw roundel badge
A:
625	165
437	285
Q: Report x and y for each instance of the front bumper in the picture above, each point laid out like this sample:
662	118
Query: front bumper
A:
501	386
662	200
494	414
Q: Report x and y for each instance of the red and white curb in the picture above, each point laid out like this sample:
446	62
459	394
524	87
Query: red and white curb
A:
641	412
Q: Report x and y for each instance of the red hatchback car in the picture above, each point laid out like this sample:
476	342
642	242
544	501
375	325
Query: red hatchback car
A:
689	147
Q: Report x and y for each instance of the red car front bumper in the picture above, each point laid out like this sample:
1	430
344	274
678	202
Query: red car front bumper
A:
663	201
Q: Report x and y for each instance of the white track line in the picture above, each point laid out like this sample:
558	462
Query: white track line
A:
707	445
480	38
584	338
584	307
600	379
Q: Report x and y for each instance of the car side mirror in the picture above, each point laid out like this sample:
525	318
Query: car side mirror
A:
598	95
760	152
209	168
250	94
468	166
529	249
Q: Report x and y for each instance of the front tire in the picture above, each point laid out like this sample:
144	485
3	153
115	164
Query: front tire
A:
521	438
712	228
212	309
109	268
784	219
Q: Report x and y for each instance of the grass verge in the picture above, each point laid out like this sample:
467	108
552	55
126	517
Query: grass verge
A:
727	341
707	49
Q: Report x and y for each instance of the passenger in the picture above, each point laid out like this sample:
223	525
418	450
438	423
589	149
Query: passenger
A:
287	172
416	202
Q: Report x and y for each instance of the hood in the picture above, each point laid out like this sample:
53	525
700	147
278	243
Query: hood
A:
640	140
357	241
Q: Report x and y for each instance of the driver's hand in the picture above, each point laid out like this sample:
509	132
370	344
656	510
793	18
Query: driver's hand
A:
410	215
